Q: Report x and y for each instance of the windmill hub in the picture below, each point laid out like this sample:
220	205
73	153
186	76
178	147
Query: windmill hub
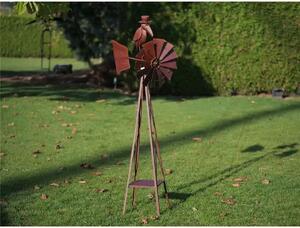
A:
155	63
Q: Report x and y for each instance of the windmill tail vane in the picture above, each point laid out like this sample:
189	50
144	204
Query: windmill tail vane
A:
155	58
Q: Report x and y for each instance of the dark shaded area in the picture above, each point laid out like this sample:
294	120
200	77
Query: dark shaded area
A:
4	73
179	196
292	145
286	153
254	148
22	182
218	177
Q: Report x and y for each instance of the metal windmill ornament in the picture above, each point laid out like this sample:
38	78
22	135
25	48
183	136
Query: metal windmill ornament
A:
154	58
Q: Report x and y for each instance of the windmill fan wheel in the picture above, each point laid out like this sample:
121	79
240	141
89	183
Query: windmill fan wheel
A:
159	59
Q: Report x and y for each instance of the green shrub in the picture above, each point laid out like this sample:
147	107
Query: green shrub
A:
223	47
21	40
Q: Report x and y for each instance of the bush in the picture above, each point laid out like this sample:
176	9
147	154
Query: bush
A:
21	40
246	48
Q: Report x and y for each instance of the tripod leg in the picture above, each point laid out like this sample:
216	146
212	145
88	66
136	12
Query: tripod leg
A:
137	152
154	169
137	128
158	149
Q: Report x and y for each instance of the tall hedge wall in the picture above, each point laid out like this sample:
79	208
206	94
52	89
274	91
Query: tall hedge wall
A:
20	40
246	48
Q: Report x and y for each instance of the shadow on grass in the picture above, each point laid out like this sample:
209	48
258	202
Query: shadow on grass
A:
218	177
22	182
254	148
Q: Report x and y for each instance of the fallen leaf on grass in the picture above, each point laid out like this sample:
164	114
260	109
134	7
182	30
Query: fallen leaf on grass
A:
2	154
228	201
44	196
154	217
168	171
65	125
5	106
73	112
218	194
265	181
74	130
197	139
101	190
236	185
54	184
86	166
240	179
97	174
11	124
82	182
194	209
151	195
144	221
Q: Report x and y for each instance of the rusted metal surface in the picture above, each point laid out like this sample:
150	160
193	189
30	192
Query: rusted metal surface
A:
154	58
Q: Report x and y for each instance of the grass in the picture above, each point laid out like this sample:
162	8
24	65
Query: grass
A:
10	65
252	137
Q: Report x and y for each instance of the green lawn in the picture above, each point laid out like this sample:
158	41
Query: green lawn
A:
9	66
47	132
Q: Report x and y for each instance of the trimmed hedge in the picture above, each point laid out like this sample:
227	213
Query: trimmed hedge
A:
21	40
225	48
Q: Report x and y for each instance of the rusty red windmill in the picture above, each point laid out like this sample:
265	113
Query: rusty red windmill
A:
154	58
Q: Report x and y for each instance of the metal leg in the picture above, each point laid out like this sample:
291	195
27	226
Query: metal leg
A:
158	149
152	152
137	128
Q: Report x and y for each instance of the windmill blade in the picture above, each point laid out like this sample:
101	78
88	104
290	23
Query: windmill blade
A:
121	57
149	52
171	56
158	44
170	65
166	72
165	51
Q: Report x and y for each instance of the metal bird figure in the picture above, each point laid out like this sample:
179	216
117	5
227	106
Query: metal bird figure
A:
140	34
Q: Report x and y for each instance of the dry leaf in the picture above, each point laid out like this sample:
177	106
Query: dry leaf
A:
144	221
100	190
65	125
151	195
197	139
86	166
82	182
73	112
218	193
54	112
74	130
236	185
36	187
154	217
66	182
240	179
2	154
11	124
44	196
97	173
5	106
168	171
54	184
228	201
265	181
